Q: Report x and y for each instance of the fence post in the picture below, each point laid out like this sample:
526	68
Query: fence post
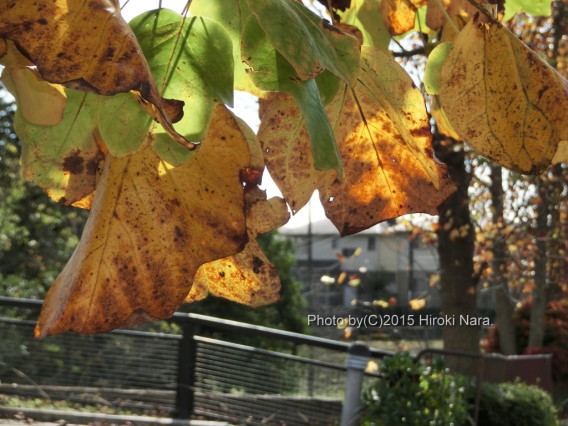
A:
187	356
359	355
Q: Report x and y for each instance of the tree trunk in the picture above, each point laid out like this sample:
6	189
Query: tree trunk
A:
503	304
536	326
456	236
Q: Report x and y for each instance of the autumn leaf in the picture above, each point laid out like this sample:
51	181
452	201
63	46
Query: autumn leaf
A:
400	15
150	228
503	100
57	36
247	277
384	138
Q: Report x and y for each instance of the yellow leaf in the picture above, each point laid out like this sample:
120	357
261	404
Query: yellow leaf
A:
434	280
247	277
150	228
417	304
503	100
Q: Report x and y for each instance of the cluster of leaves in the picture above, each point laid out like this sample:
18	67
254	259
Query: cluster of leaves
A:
515	404
171	223
415	394
160	211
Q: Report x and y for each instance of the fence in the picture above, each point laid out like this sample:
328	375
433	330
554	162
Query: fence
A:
193	374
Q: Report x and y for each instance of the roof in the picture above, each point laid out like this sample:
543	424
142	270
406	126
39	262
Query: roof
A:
325	227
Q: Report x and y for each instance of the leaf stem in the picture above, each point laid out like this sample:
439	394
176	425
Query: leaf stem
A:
483	10
443	9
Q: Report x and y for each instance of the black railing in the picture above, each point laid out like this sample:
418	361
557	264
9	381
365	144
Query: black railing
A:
192	374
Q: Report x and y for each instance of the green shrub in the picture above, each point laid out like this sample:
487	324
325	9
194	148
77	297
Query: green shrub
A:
417	394
515	404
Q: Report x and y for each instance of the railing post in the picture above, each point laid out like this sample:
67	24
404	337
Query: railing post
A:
187	357
357	360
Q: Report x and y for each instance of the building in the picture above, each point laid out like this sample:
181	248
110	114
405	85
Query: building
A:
378	263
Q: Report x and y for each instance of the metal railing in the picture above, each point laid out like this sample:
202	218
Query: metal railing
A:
195	374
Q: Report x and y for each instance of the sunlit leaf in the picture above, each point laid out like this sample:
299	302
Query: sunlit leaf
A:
232	14
400	15
150	228
190	59
123	124
382	128
308	43
366	15
247	277
38	101
503	100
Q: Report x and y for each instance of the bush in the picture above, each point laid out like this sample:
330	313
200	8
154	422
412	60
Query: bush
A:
415	394
515	404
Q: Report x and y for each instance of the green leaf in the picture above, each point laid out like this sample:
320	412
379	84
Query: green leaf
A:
191	59
328	85
271	71
309	44
532	7
123	124
171	152
62	159
434	67
366	15
231	14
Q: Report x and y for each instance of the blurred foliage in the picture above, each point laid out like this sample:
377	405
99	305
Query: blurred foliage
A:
515	404
415	393
37	235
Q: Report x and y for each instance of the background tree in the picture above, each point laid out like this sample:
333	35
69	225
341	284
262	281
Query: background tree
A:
37	235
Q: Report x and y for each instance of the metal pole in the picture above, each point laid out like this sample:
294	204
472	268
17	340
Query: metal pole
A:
187	356
356	363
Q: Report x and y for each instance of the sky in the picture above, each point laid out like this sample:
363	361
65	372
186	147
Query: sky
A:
245	106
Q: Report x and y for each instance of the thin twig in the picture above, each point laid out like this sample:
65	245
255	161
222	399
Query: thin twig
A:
409	53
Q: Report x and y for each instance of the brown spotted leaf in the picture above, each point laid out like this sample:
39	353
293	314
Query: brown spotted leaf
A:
247	277
288	152
86	45
63	158
384	139
150	228
503	100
